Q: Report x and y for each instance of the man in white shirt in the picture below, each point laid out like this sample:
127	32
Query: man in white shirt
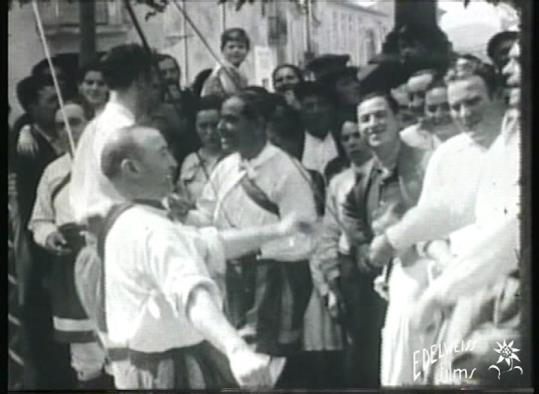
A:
52	227
450	185
487	269
160	300
92	194
267	292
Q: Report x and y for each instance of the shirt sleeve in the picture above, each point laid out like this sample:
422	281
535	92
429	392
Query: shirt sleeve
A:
293	194
432	218
493	256
42	222
326	253
178	268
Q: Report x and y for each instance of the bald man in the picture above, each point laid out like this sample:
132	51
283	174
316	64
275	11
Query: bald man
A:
161	302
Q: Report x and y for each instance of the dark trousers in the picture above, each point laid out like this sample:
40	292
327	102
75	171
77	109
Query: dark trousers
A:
196	367
47	362
363	322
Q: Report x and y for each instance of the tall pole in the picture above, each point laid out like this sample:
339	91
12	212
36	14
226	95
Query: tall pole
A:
87	31
308	42
185	48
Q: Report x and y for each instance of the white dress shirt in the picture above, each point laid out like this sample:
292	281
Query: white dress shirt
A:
225	204
494	252
91	192
447	199
317	153
151	268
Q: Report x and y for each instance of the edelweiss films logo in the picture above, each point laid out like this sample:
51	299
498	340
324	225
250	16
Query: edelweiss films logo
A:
508	354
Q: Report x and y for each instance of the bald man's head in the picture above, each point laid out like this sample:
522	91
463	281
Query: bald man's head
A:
120	146
137	160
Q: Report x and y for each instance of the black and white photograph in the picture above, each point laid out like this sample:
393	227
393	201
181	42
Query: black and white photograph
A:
269	196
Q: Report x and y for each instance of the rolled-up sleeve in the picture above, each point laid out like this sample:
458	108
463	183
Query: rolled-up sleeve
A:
178	267
293	195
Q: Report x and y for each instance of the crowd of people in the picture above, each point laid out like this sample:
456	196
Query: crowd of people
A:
221	235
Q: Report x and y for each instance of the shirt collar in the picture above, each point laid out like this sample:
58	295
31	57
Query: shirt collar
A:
265	154
116	106
325	140
387	172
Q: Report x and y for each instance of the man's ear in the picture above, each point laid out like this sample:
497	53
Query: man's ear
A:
129	167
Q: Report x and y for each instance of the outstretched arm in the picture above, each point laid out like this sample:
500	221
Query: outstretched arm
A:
249	368
238	242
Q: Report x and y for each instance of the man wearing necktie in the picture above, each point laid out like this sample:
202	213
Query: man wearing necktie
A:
268	291
386	186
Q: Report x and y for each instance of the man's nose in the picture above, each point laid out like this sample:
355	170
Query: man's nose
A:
439	113
464	111
221	126
508	69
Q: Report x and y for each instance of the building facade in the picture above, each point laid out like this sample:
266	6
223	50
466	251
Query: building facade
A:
280	31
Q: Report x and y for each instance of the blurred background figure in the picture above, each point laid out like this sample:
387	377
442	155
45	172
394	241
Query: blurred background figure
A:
466	64
417	87
321	137
92	89
437	126
285	77
227	77
198	82
197	167
285	128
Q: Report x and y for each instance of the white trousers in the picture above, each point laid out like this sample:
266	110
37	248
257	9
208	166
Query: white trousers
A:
399	340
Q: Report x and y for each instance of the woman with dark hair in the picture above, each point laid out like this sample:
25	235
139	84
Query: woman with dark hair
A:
93	89
285	77
197	166
227	78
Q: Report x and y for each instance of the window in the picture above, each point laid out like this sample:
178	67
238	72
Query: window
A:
57	14
370	44
66	13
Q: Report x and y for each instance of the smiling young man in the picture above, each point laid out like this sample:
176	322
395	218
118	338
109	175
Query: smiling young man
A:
385	187
451	182
454	170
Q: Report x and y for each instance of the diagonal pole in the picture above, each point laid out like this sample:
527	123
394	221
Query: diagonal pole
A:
53	74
